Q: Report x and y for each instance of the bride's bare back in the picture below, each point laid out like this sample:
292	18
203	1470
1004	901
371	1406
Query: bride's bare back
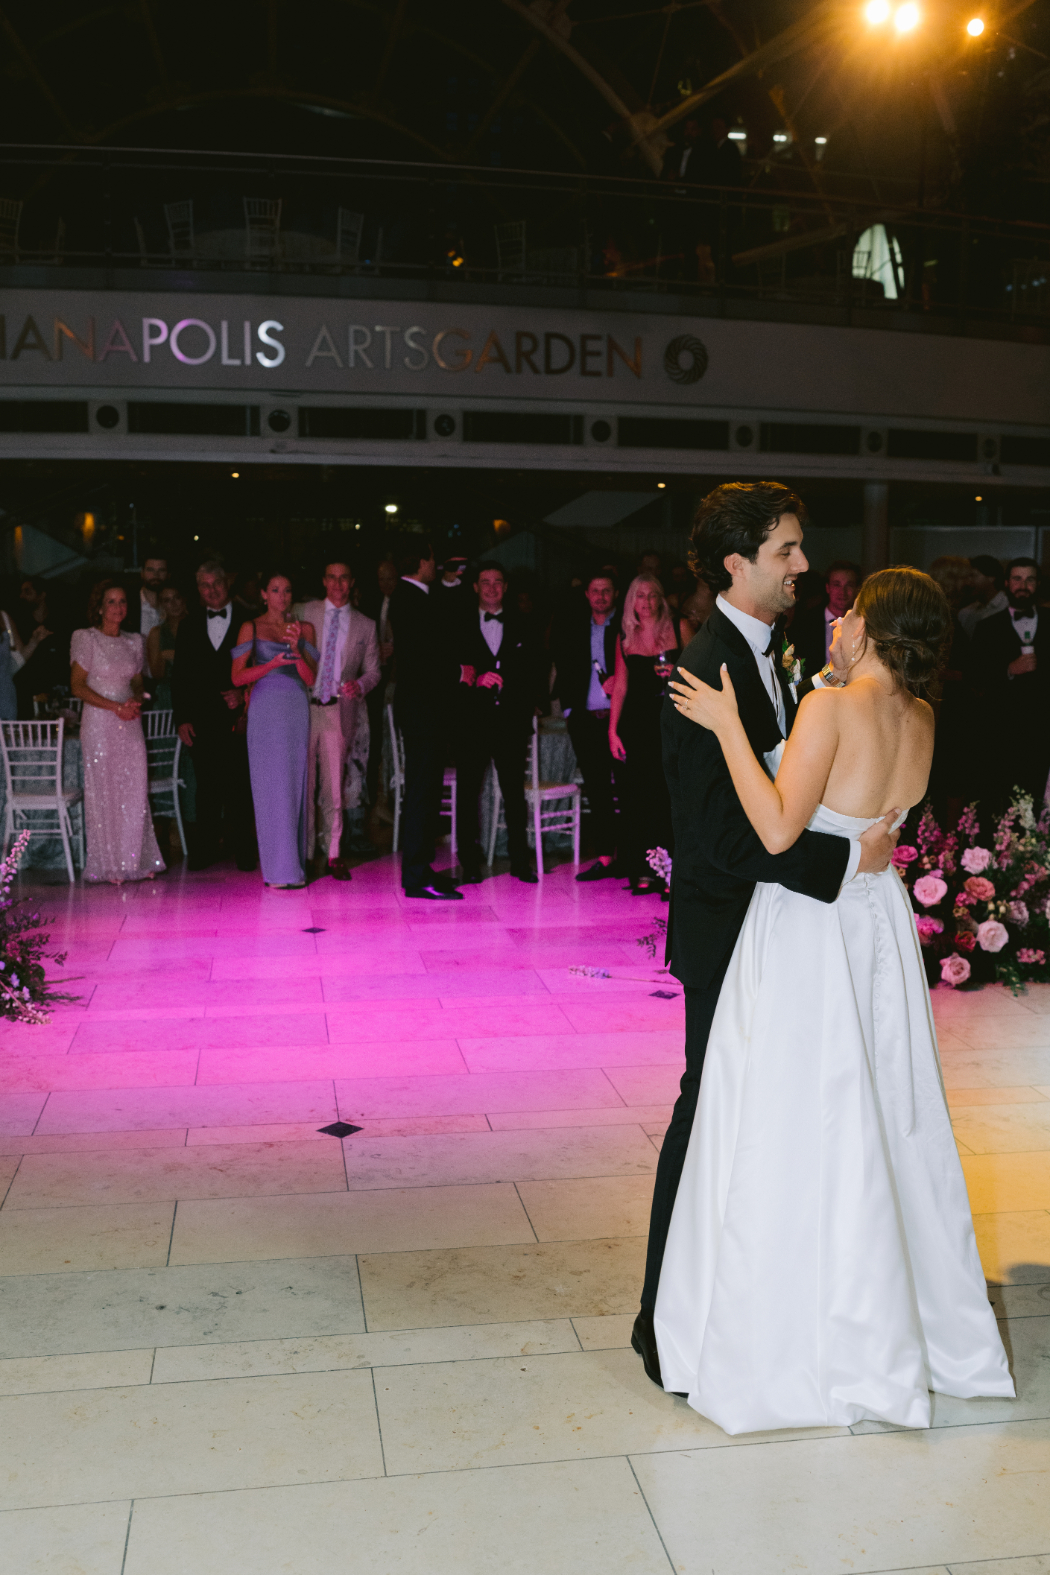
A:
884	748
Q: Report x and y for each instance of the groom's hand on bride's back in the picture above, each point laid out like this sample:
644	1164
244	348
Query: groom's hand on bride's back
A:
877	844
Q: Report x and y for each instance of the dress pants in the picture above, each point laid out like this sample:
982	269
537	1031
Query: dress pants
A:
589	732
375	701
422	731
224	795
699	1014
506	745
324	781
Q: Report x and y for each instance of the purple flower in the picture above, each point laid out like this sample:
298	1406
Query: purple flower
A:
928	927
929	890
974	860
992	936
1032	955
955	970
1017	912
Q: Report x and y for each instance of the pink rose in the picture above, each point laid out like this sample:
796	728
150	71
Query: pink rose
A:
903	855
1017	912
929	890
992	936
927	927
974	860
965	940
955	970
979	890
1028	954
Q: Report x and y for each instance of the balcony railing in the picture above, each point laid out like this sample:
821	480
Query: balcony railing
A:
735	249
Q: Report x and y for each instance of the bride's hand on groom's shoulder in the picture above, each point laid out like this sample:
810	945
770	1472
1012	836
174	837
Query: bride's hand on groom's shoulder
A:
711	708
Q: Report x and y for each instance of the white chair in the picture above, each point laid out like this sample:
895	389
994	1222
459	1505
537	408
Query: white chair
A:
179	217
397	783
262	226
563	813
163	752
32	754
349	228
510	249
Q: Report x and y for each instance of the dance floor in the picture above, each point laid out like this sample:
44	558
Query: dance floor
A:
233	1343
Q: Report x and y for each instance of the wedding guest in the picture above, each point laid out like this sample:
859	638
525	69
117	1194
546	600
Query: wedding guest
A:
421	702
1010	668
160	643
952	778
347	671
502	686
45	651
31	608
989	597
377	607
645	654
695	611
275	655
813	631
144	611
14	653
209	715
585	659
106	675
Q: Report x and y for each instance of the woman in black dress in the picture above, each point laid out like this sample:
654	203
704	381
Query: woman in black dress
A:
645	655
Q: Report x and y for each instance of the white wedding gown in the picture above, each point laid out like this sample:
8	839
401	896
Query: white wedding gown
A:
821	1267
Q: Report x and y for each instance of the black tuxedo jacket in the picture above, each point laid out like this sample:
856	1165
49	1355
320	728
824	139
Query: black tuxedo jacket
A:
572	658
200	672
519	663
995	645
808	633
718	857
423	651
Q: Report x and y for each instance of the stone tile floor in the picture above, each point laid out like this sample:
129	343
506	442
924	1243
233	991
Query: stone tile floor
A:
230	1343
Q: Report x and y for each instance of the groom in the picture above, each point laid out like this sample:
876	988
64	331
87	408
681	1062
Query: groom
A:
747	546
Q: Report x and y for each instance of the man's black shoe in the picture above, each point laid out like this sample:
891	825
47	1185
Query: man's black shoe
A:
643	1339
434	893
200	861
471	878
522	872
597	871
444	881
246	865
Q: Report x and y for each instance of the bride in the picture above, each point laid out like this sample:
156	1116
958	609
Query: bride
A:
821	1267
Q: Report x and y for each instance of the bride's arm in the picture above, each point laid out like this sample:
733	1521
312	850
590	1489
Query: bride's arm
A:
780	810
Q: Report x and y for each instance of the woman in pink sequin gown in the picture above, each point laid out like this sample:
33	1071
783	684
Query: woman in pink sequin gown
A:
107	668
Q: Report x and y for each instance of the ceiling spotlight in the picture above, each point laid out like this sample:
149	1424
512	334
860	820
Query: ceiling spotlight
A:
821	142
661	483
906	18
196	538
780	136
978	498
877	11
975	27
235	474
390	508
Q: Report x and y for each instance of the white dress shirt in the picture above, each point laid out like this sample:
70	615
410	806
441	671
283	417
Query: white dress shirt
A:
970	617
758	634
422	585
383	623
337	628
1025	624
491	631
217	626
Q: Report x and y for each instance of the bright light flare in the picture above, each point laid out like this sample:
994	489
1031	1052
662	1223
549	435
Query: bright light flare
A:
906	18
877	11
975	27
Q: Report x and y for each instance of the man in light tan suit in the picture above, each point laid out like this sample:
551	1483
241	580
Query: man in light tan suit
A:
347	669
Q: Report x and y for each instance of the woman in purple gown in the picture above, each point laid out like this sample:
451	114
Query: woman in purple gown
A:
277	658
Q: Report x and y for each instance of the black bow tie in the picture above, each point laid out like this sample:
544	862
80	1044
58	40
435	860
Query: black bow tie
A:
223	612
769	649
493	617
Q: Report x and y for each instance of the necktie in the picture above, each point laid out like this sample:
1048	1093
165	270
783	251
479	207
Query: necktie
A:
331	640
220	614
493	617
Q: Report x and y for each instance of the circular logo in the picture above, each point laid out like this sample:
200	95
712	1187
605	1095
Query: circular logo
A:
685	359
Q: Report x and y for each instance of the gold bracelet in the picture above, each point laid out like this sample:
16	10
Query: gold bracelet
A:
827	675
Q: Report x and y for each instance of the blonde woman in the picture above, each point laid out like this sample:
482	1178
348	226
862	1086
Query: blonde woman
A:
645	655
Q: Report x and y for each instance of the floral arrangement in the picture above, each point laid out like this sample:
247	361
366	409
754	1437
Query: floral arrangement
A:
25	995
981	912
659	861
794	666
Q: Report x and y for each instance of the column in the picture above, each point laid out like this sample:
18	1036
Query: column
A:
875	532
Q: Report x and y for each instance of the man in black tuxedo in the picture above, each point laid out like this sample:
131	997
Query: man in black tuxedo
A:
500	690
585	660
422	691
209	715
812	632
747	544
1010	671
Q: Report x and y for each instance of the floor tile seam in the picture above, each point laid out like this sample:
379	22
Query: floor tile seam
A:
11	1182
652	1517
955	1565
171	1235
525	1211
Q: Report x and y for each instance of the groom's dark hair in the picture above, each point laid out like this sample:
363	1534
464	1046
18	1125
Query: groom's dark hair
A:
737	518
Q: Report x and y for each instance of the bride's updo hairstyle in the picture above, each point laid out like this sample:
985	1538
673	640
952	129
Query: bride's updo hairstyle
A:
909	623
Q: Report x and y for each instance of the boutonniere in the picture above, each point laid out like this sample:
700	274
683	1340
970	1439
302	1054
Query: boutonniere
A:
793	665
